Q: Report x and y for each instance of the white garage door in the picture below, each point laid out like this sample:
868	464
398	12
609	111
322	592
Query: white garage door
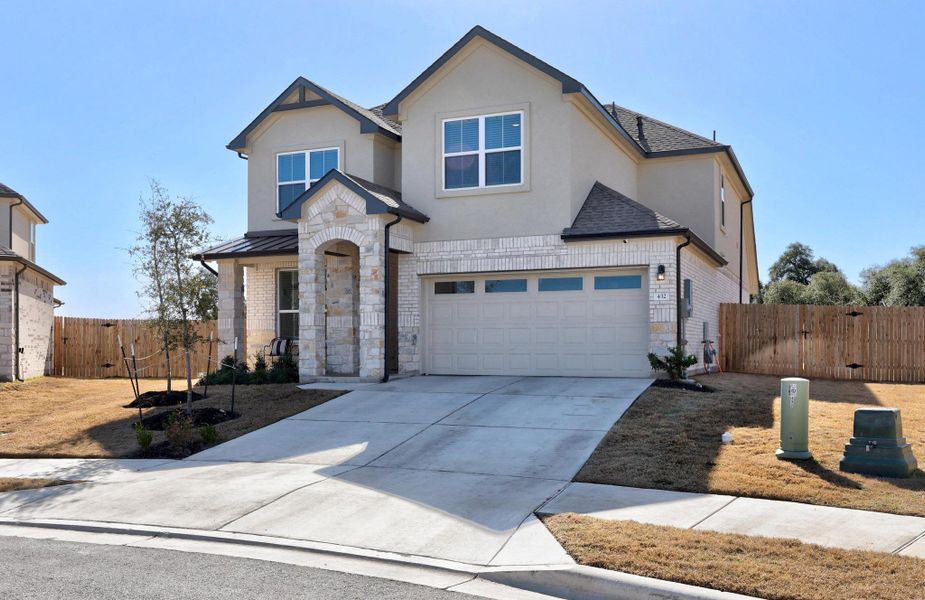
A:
590	323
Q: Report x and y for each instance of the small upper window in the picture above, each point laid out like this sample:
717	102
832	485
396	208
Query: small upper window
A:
454	287
297	171
483	151
722	200
561	284
617	282
494	286
32	227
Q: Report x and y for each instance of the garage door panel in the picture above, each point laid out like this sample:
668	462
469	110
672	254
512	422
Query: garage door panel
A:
584	332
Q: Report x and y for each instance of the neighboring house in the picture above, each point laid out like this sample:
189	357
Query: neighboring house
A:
530	229
26	292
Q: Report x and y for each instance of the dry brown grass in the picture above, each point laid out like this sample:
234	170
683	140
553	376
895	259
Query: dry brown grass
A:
768	568
59	417
670	439
12	484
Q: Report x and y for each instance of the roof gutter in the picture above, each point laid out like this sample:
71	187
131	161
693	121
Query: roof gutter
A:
202	261
388	304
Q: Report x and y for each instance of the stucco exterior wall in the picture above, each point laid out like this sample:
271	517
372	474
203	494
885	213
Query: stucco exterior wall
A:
295	130
482	80
22	222
683	189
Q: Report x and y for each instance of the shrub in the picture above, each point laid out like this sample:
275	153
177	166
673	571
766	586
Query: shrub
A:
209	434
179	432
260	374
224	373
674	363
143	436
284	370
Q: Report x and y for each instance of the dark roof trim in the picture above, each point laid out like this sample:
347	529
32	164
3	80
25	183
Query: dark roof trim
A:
367	125
14	194
569	84
247	254
695	240
271	233
374	205
284	242
31	265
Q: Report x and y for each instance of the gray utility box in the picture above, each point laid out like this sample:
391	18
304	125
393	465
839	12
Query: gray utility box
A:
878	446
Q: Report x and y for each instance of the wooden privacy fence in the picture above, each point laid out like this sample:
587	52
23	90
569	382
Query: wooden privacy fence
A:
832	342
89	348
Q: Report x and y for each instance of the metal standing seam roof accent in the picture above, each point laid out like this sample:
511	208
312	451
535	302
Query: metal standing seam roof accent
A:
8	192
279	243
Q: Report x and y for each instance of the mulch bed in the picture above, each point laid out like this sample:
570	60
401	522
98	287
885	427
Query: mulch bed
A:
152	399
691	386
201	416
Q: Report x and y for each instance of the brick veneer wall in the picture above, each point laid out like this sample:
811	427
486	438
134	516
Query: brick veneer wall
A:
36	322
261	303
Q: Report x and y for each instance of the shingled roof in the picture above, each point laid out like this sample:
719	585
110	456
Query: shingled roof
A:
8	192
656	136
7	255
606	213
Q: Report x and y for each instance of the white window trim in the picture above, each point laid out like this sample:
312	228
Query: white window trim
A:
287	311
481	152
308	181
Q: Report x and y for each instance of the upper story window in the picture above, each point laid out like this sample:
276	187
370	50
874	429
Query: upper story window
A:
292	177
32	228
483	151
722	200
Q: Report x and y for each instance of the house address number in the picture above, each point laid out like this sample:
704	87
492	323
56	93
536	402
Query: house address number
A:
661	296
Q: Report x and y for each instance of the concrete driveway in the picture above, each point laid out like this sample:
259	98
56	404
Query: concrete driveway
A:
442	467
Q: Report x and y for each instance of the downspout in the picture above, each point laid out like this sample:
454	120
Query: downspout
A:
16	352
202	261
386	354
677	284
742	242
242	156
12	204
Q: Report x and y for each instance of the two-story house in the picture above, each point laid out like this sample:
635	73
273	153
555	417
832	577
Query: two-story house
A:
26	292
492	218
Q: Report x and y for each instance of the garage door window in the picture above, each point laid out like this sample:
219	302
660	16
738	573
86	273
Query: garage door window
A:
561	284
494	286
454	287
617	282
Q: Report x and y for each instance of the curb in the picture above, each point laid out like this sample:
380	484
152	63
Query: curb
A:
572	582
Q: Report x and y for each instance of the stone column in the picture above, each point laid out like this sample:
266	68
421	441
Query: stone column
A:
311	309
372	305
231	309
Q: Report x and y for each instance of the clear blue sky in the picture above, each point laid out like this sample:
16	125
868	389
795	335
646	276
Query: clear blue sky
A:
822	101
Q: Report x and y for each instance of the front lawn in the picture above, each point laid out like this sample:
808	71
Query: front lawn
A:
14	484
54	417
769	568
670	439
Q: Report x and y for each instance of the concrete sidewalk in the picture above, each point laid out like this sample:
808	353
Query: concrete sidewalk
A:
823	525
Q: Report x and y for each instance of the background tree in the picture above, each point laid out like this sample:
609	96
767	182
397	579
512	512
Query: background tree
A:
831	288
185	234
784	291
149	268
797	263
898	283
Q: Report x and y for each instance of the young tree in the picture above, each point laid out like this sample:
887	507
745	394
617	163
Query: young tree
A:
185	234
148	266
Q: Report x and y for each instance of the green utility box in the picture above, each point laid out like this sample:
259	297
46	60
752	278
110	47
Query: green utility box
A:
878	446
794	419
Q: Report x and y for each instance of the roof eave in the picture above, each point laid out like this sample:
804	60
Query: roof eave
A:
239	142
31	265
27	204
254	254
695	239
569	84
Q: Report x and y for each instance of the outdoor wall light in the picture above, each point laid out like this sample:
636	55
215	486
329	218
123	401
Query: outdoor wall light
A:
660	274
